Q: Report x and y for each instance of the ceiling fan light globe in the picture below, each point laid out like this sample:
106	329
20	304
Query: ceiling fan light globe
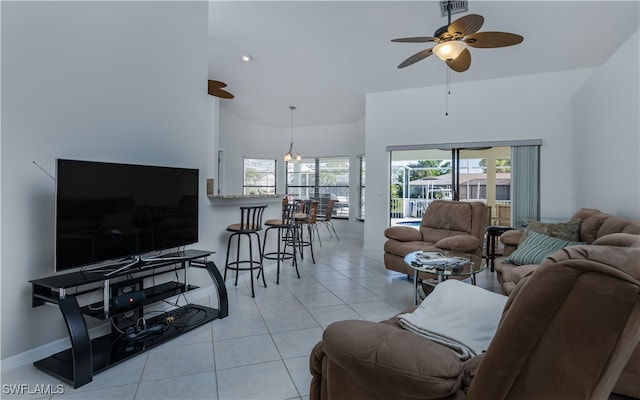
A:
450	50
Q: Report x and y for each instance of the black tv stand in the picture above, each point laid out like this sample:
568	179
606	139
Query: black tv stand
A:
86	356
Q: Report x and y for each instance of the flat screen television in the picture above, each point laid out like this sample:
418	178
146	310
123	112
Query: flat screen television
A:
114	212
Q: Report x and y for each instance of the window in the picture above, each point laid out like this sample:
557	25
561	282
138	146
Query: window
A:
361	198
259	176
321	178
418	178
503	175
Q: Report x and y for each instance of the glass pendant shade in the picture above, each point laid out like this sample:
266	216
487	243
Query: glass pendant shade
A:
449	50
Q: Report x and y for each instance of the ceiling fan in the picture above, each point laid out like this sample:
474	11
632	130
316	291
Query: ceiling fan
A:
454	38
215	89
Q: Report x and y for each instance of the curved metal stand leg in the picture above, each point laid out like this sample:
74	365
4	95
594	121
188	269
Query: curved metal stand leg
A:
218	281
80	342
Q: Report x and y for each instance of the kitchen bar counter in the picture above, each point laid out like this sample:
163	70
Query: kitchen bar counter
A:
244	199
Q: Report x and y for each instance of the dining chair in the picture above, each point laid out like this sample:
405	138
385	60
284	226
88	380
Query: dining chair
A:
325	219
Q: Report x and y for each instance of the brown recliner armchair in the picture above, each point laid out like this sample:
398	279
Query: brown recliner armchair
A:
567	332
446	225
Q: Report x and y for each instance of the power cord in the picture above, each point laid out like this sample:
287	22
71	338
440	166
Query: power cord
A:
141	331
92	308
113	323
185	311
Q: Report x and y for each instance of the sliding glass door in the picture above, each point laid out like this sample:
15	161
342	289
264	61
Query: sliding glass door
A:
417	178
421	174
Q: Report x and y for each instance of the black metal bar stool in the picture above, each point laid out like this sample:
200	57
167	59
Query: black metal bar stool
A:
250	224
306	217
285	226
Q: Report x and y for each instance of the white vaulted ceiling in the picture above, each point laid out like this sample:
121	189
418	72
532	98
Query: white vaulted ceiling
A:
324	56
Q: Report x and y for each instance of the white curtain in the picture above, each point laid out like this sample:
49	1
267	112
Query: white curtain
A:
525	184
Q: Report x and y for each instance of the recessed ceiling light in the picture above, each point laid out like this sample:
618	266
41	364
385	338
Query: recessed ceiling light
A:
246	58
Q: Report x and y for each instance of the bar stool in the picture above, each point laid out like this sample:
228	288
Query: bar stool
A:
306	216
285	226
250	224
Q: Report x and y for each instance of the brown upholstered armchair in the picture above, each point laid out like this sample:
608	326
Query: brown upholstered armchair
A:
446	225
567	331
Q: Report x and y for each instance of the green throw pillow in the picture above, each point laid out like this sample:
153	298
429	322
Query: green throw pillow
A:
536	247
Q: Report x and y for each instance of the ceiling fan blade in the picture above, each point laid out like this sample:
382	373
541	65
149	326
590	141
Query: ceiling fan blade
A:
416	57
462	62
214	89
222	94
216	84
466	25
415	39
493	39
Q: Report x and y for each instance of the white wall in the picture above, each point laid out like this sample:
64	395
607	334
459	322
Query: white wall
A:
240	139
606	135
518	108
74	86
113	81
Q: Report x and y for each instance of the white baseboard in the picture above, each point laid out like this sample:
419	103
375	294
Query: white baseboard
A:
44	351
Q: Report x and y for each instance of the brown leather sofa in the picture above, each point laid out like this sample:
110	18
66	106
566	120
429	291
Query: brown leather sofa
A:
446	225
593	225
595	228
567	331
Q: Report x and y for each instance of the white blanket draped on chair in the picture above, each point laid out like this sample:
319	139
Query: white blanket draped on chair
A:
460	316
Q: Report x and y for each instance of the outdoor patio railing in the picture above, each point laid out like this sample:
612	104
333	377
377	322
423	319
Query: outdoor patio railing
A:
407	208
414	208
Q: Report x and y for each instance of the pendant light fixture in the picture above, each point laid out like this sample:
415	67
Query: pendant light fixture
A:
449	51
289	155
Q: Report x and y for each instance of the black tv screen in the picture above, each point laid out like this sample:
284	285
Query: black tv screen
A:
109	211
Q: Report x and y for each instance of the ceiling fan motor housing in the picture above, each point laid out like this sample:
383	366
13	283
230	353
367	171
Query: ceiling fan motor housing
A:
441	32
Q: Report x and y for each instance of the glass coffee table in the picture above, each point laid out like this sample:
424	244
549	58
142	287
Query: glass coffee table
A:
443	265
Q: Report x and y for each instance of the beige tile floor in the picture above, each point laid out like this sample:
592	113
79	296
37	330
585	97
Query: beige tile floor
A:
260	351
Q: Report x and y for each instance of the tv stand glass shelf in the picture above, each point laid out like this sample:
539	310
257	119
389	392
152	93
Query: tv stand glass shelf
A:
125	295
